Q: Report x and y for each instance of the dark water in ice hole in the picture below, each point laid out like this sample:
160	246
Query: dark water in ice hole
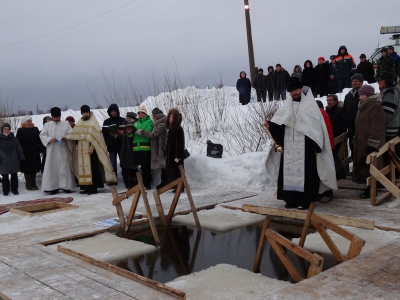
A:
184	250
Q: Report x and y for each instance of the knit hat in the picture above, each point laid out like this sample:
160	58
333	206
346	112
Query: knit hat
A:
363	56
156	111
332	57
55	112
293	83
131	115
384	50
25	119
388	76
4	125
70	119
358	77
321	58
366	90
85	108
260	70
390	47
142	109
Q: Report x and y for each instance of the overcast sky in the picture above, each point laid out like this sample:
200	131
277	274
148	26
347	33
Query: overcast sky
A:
58	52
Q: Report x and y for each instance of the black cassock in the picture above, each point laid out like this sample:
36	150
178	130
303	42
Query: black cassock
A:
311	178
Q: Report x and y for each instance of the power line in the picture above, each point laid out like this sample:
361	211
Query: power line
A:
66	28
64	36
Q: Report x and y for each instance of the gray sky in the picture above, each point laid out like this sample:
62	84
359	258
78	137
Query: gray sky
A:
206	39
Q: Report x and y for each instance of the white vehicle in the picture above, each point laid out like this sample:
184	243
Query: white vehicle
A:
393	41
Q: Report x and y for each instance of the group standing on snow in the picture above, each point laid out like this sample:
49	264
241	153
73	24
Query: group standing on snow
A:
84	154
323	79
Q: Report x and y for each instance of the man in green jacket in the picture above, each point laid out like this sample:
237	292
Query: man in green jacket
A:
141	146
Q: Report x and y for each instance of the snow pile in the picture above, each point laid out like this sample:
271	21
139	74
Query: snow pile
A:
220	219
108	247
226	282
374	238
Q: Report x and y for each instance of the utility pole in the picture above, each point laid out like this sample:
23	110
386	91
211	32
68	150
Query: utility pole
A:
249	41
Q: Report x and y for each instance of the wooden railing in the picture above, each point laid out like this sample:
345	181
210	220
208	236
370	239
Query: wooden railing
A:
343	152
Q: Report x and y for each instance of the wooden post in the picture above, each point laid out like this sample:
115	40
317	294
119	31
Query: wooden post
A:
373	184
189	194
118	207
261	245
306	224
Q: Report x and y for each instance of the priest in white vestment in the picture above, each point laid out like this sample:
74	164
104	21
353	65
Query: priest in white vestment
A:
57	173
305	168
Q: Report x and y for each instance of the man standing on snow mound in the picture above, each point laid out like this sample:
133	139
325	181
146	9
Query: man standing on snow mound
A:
344	63
92	166
57	173
305	168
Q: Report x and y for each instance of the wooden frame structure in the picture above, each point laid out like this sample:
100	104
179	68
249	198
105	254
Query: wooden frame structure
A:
178	184
137	191
380	175
278	242
343	152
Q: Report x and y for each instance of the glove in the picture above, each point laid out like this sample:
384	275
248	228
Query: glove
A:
370	149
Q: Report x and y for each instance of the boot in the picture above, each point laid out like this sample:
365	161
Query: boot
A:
33	181
28	181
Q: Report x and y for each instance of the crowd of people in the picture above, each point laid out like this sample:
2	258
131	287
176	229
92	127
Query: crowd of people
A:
85	154
327	77
304	165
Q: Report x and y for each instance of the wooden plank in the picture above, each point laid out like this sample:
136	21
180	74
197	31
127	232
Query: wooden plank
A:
339	230
169	186
315	269
189	195
306	224
382	149
160	208
132	211
143	280
271	234
174	202
384	171
328	241
355	248
301	215
341	138
385	182
148	209
261	246
47	208
118	207
285	260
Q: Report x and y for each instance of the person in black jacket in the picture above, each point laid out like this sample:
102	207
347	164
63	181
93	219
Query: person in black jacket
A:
243	85
112	134
350	107
260	84
321	73
28	137
308	77
335	113
270	83
333	82
281	76
366	69
175	144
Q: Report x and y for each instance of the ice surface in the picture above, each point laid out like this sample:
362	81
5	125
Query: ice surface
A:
220	219
226	282
108	247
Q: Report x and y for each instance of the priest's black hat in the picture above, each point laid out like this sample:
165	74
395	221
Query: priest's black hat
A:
85	108
293	83
55	112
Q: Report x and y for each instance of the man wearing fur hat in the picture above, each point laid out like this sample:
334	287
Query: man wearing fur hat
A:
91	163
57	174
305	168
141	146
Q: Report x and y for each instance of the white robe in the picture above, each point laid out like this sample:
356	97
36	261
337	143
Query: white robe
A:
57	172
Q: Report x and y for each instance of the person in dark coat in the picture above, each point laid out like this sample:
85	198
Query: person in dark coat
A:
308	77
344	63
321	73
10	156
396	59
270	83
350	107
369	134
336	116
333	83
366	69
243	85
126	161
260	84
28	137
281	76
385	64
297	72
175	144
112	134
